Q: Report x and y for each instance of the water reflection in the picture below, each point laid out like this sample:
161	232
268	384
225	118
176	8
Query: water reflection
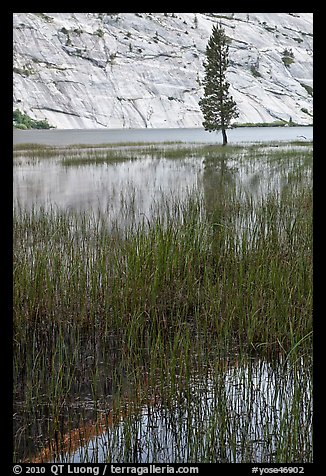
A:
132	187
245	413
124	191
219	185
248	412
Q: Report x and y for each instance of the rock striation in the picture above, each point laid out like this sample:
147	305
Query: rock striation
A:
136	70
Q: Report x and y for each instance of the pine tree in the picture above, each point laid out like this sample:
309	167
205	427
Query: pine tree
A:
217	106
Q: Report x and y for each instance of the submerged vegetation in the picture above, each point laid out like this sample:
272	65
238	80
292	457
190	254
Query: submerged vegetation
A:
134	325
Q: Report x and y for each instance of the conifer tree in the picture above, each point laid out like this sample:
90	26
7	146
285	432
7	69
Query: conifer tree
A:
217	106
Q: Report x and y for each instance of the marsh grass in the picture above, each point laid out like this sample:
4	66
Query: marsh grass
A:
124	316
238	410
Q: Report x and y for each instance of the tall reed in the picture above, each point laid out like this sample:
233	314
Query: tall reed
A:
98	307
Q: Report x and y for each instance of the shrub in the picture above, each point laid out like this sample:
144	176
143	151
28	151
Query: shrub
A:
308	88
288	57
287	60
23	121
288	53
255	71
99	33
305	110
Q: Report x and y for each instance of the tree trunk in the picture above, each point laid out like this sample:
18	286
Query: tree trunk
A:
225	139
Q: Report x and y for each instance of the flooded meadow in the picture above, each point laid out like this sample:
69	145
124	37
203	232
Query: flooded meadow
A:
163	302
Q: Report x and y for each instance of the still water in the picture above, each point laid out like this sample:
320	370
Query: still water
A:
124	191
134	184
105	136
236	413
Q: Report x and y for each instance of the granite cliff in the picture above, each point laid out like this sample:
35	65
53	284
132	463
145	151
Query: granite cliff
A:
135	70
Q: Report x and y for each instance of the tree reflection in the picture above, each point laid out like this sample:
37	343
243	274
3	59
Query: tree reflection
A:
219	186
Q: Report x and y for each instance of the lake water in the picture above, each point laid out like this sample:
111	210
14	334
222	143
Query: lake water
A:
133	187
123	191
61	137
237	412
255	398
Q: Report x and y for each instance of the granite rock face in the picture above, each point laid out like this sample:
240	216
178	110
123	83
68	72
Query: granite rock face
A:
135	70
